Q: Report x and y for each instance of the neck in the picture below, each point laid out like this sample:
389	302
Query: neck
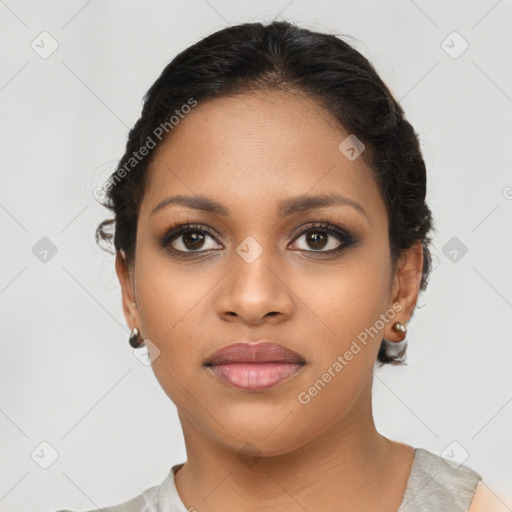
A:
348	466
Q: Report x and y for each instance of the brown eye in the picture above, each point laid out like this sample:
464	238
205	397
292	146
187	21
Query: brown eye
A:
324	238
189	239
317	239
193	240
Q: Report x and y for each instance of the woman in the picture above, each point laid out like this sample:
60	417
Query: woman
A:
272	237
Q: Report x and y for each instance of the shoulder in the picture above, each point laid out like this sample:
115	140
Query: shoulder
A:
448	472
155	499
436	483
147	501
485	500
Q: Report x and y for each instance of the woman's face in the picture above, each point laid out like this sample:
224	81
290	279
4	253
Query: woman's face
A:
264	271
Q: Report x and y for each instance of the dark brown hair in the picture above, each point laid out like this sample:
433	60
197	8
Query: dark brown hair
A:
281	55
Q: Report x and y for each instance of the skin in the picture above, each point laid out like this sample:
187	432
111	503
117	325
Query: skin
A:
266	450
487	500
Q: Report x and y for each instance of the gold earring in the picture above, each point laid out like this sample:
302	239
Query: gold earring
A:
400	327
135	338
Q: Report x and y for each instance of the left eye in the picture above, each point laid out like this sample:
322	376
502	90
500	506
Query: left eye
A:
320	240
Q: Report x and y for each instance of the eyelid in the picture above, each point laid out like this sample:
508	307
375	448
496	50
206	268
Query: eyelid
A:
325	223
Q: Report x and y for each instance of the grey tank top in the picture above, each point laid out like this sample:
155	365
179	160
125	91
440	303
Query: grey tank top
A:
433	486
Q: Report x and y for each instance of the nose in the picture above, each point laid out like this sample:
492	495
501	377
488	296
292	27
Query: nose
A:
255	293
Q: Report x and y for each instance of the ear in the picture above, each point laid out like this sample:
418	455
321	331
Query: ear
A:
128	296
406	287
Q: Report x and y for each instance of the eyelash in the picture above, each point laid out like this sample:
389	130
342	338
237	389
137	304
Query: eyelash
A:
174	232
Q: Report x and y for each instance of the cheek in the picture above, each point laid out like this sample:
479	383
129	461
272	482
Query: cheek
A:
347	305
173	300
345	299
170	314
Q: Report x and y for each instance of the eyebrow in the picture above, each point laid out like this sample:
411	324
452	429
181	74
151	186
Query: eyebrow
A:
286	207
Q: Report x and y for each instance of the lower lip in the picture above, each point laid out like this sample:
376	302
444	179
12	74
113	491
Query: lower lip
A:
255	376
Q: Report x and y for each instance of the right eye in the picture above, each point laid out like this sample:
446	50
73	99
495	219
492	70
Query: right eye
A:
189	238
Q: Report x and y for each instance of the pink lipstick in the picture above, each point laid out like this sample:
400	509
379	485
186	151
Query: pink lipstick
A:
254	366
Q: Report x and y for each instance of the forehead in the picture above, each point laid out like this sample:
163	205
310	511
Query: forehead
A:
253	150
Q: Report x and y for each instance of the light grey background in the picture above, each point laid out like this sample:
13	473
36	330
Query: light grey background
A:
68	375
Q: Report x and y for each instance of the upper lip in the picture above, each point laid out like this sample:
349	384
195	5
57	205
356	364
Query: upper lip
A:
261	352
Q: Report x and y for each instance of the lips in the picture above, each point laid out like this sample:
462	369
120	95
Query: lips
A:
254	366
261	352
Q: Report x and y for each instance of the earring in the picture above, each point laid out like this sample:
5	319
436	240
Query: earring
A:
400	327
135	338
